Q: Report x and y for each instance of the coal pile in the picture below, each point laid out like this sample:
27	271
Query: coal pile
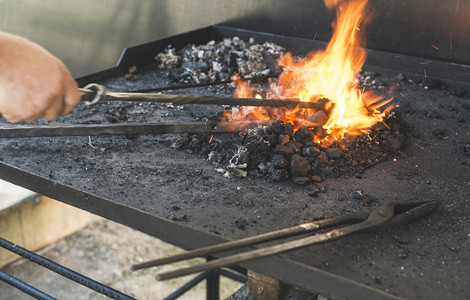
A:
219	61
276	151
281	154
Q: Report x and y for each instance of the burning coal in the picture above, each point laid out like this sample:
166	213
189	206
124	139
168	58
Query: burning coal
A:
303	145
331	74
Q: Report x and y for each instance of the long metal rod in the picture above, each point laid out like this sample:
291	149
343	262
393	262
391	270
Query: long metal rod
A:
124	129
393	213
107	129
24	287
93	93
263	252
65	272
270	236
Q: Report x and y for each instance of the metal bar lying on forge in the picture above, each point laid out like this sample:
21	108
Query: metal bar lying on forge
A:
249	241
393	213
124	129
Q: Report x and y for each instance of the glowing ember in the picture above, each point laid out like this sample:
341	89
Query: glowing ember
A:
332	74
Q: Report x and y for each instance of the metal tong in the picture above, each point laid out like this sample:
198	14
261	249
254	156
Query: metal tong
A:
394	213
94	93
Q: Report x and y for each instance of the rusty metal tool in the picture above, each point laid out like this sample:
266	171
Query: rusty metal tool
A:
394	213
94	93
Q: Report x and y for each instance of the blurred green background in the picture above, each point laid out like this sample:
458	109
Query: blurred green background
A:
90	35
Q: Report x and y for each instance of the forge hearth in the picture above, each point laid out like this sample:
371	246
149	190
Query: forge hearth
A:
278	151
143	182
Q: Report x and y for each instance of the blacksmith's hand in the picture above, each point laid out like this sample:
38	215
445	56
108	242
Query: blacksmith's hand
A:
33	83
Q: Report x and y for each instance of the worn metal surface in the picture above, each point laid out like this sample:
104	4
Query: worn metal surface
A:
179	197
300	274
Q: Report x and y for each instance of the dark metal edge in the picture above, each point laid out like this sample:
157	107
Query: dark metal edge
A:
286	270
145	53
384	62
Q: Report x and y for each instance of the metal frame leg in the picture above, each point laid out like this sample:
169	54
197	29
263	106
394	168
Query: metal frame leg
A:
213	286
187	286
212	282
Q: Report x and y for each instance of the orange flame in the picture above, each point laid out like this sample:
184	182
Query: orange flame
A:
331	73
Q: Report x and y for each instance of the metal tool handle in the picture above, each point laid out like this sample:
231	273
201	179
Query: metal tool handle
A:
92	91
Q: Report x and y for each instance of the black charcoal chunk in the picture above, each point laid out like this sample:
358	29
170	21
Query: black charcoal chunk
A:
279	162
322	158
310	151
272	139
181	142
334	153
299	166
284	151
304	135
300	180
284	138
393	143
319	118
294	146
276	128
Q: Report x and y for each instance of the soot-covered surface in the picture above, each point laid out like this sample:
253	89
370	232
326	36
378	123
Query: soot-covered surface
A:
427	259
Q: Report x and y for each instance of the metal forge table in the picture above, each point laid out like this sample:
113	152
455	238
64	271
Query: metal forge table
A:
178	197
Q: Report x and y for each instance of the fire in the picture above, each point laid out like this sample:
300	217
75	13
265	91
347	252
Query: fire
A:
332	74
